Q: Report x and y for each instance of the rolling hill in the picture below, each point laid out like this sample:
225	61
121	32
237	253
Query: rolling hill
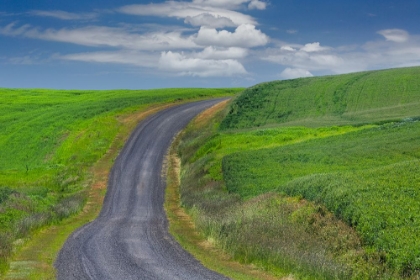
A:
355	98
349	143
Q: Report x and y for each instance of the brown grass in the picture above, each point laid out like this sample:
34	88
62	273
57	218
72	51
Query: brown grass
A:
203	118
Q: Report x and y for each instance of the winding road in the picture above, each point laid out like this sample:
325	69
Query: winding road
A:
130	239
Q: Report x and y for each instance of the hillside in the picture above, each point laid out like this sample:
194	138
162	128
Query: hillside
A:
297	151
355	98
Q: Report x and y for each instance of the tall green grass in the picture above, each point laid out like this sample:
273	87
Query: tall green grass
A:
370	179
50	138
354	151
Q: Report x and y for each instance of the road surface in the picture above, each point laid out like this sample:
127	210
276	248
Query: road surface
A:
130	239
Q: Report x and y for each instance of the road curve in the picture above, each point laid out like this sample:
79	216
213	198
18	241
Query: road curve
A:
130	239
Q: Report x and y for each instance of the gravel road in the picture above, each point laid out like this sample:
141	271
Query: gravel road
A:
130	239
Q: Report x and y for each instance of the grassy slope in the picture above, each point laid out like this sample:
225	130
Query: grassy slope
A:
50	139
288	236
332	100
367	176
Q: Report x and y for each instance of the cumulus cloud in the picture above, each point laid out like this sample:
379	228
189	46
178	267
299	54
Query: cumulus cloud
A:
64	15
184	10
245	36
313	47
397	50
207	48
287	48
222	53
187	66
210	20
256	4
293	73
395	35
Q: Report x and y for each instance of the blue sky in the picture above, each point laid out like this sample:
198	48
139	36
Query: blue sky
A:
107	44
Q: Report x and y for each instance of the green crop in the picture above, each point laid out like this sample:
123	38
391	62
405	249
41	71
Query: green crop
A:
332	100
368	178
51	138
349	143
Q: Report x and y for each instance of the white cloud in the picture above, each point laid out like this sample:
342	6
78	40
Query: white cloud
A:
395	35
313	47
64	15
373	55
293	73
222	53
187	66
256	4
210	50
227	4
310	56
292	31
245	36
95	36
120	57
287	48
327	60
210	20
210	62
183	10
232	4
12	30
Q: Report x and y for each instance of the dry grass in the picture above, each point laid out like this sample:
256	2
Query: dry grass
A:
202	119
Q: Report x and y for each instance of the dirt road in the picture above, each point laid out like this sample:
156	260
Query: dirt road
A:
130	239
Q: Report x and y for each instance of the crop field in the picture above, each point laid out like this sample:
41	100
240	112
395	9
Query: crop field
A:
355	98
261	182
370	179
50	138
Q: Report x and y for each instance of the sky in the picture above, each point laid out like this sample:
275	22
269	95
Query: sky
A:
109	44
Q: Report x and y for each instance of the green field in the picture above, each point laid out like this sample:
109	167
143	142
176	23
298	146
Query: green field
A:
49	141
349	143
356	98
314	177
370	179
